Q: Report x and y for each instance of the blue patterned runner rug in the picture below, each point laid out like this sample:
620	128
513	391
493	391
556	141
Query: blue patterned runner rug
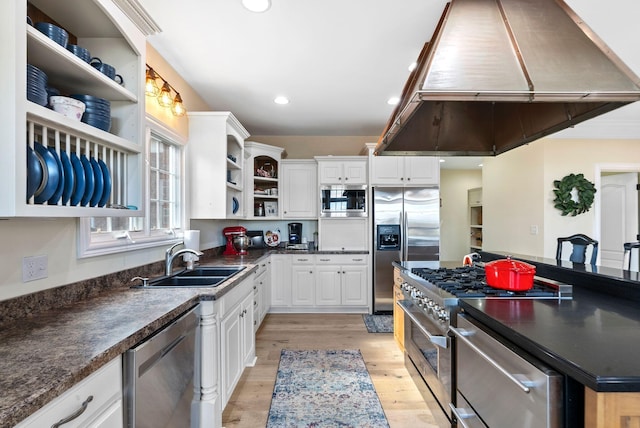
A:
324	389
378	323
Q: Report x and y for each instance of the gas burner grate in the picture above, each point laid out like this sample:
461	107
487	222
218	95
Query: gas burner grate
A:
469	282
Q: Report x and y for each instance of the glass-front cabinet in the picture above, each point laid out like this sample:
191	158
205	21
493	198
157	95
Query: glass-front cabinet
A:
57	165
263	180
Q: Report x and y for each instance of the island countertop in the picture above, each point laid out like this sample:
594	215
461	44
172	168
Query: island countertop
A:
594	338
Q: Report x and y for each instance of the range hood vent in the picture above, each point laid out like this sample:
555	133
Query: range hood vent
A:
501	73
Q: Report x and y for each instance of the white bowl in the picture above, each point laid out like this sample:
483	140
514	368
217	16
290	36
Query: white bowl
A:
69	107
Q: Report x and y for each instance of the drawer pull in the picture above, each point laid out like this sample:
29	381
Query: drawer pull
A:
325	260
357	260
303	260
75	414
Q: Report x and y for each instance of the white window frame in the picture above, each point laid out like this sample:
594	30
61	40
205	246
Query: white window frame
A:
118	242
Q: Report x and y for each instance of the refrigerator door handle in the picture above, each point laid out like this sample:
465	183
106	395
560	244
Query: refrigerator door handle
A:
403	235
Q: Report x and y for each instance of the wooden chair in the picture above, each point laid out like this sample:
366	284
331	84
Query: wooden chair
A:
580	244
628	249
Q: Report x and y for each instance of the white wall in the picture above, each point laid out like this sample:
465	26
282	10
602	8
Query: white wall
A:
518	191
454	213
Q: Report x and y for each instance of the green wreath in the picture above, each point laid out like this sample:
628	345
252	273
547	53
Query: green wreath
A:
563	188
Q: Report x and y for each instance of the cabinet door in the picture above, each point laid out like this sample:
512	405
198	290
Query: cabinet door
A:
303	286
330	172
344	234
232	358
387	170
265	293
354	285
422	170
280	280
328	285
247	336
299	190
355	172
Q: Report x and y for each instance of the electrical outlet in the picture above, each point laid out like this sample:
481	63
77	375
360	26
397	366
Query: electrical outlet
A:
533	229
34	267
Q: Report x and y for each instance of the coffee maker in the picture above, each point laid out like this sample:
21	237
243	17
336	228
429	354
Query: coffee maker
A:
295	233
230	233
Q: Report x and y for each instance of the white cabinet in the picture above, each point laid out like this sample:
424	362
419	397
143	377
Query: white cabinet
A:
323	283
342	169
405	170
215	155
111	36
299	189
303	281
237	336
101	393
262	193
261	292
342	280
280	281
343	234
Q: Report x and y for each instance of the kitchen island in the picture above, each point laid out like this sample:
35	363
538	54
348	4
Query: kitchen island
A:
593	338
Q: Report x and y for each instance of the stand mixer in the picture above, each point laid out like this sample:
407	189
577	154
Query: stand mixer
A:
230	234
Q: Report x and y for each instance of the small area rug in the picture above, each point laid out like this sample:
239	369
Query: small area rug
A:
324	389
378	323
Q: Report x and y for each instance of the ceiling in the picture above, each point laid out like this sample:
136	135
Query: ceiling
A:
338	61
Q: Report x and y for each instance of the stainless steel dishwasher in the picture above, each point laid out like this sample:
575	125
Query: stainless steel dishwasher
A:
158	376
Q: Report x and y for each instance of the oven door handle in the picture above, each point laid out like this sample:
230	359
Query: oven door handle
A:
440	341
462	333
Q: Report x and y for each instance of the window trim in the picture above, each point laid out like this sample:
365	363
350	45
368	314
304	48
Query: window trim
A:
121	242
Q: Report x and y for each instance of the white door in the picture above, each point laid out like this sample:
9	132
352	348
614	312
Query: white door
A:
619	216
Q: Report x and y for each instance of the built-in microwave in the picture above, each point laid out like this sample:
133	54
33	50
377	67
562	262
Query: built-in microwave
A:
343	201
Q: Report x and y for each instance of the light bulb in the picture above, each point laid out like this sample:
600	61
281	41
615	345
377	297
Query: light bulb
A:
151	87
177	108
164	99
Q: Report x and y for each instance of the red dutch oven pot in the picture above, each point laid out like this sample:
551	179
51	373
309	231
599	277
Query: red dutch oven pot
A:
507	274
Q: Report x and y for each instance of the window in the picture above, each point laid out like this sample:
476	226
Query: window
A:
164	210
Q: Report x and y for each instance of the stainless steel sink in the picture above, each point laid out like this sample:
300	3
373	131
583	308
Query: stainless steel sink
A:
187	281
202	276
226	271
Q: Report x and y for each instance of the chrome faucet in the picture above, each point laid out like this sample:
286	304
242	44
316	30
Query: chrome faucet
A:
170	256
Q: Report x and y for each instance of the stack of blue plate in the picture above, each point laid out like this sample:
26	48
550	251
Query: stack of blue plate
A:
36	85
97	112
55	33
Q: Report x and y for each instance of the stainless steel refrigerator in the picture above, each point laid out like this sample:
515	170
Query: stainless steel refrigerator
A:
406	227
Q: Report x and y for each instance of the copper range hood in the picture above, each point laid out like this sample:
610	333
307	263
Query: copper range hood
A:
501	73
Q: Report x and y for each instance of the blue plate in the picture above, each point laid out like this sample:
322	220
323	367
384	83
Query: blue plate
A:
52	174
80	182
34	172
98	183
53	200
69	177
89	181
107	183
236	205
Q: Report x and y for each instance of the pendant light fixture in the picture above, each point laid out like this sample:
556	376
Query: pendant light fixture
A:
163	95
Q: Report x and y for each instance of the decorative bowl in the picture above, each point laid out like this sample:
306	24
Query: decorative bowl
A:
69	107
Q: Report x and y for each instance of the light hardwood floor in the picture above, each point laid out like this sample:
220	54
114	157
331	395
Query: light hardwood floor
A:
401	401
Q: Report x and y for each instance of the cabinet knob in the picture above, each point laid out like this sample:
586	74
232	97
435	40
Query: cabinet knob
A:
401	178
408	178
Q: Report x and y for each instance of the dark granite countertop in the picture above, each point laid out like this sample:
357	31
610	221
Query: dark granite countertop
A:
44	354
594	338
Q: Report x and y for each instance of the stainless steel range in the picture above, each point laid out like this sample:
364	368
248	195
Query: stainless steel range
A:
430	304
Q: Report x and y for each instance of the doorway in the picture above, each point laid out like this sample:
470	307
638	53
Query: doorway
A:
616	210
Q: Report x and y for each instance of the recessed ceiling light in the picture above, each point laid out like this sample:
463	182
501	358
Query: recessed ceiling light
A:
393	101
257	5
281	100
413	66
442	160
